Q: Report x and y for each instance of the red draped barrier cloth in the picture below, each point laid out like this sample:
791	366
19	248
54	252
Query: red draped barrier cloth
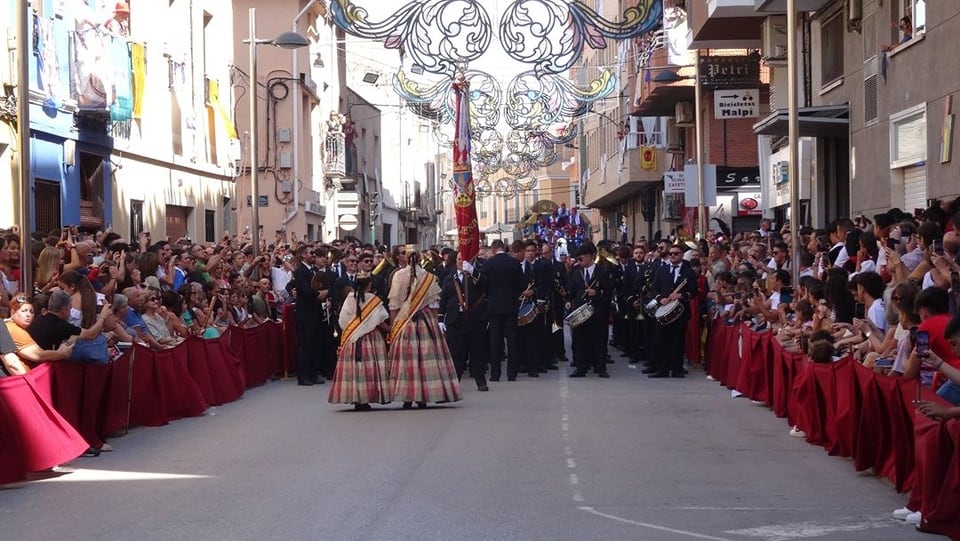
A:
33	435
289	339
258	349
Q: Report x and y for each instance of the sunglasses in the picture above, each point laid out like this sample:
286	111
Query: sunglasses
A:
676	253
153	298
21	300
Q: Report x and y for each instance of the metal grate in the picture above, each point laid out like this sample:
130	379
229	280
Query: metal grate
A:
870	108
47	206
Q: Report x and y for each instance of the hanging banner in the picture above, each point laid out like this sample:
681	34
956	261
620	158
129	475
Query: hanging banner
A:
464	195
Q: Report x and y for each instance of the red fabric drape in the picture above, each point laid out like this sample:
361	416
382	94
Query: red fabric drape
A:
33	435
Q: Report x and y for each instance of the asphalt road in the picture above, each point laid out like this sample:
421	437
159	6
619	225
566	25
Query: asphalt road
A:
550	458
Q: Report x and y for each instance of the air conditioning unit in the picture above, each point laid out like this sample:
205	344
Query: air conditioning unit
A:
312	207
774	39
673	137
683	114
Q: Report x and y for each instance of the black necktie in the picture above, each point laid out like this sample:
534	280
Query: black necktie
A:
586	277
676	272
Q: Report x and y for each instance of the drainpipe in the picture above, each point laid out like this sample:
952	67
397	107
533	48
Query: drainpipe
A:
297	98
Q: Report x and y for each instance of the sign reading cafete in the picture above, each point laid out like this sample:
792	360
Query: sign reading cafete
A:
729	71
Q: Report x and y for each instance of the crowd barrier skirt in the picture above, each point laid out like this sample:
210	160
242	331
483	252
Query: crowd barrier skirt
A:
260	350
289	339
852	412
33	435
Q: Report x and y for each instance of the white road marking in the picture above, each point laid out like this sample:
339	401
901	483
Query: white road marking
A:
574	479
564	417
567	450
593	511
564	426
577	497
800	530
571	463
71	475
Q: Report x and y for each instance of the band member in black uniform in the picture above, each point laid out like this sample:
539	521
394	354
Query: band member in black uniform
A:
463	316
667	286
621	289
555	307
530	337
640	277
505	277
590	283
308	315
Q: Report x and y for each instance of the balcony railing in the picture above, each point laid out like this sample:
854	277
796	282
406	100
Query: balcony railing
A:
335	156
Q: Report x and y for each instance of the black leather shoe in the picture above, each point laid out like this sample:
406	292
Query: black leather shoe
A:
407	405
422	405
659	375
678	375
604	375
304	382
494	378
483	388
534	374
514	378
578	374
317	380
542	370
649	371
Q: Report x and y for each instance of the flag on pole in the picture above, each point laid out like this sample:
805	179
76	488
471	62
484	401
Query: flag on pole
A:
464	196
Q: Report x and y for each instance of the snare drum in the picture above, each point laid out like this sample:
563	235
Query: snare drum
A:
527	313
579	316
670	312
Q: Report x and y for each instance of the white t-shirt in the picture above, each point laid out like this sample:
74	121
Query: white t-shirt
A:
878	315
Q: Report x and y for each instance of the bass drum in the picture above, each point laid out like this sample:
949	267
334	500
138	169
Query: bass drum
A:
579	316
527	313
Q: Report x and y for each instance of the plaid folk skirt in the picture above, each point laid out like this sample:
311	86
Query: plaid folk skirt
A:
421	368
361	374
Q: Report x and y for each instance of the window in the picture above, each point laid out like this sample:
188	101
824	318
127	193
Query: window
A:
47	205
210	225
831	49
916	11
136	218
91	190
908	136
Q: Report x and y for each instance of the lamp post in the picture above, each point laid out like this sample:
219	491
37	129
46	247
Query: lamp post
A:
23	143
286	40
793	133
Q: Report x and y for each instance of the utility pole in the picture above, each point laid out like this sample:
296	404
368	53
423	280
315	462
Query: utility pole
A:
23	142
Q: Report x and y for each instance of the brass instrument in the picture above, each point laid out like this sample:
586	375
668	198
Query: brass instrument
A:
384	263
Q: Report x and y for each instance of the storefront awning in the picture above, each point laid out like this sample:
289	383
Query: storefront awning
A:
662	100
822	121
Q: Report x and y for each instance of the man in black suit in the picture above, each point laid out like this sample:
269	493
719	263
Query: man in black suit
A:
557	298
532	337
463	317
666	285
590	283
505	277
308	315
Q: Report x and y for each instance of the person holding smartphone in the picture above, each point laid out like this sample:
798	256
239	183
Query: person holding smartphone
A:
950	390
932	305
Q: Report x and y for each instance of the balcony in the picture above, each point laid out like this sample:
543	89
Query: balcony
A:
780	6
724	24
618	187
335	156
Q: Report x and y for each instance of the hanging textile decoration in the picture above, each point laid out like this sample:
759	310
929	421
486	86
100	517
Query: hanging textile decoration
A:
648	158
464	196
138	58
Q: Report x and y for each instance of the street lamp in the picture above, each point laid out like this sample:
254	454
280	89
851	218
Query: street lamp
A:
286	40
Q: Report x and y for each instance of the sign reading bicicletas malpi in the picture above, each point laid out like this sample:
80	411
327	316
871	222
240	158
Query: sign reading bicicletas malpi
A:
736	103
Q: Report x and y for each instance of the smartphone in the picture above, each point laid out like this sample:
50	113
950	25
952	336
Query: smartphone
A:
884	362
737	296
786	294
938	246
923	344
859	310
892	243
913	334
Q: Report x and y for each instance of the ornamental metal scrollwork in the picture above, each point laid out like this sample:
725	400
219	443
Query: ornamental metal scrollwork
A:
551	34
441	36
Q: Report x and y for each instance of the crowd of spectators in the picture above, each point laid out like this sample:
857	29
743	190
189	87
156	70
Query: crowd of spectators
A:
96	293
883	290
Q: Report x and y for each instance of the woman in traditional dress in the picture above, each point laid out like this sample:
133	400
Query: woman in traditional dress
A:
421	368
361	374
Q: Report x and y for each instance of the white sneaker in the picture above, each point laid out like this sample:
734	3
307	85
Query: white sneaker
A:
913	518
797	433
711	378
902	513
735	393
